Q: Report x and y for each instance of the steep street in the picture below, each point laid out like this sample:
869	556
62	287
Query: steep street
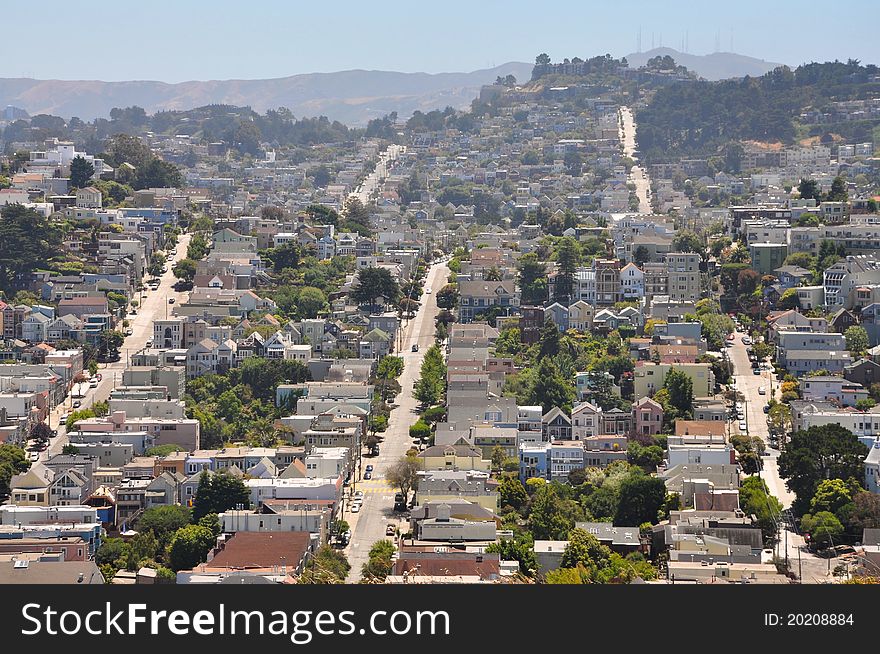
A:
368	525
637	175
154	305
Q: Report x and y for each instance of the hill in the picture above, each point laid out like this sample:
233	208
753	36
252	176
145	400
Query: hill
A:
712	67
352	96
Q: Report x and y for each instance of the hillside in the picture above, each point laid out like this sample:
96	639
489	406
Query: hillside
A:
712	67
352	97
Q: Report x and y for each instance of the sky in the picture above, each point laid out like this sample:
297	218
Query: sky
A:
179	40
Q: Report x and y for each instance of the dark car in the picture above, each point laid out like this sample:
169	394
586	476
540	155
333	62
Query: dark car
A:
368	475
757	371
369	467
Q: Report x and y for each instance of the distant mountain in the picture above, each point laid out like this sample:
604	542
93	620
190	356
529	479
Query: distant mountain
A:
715	66
352	96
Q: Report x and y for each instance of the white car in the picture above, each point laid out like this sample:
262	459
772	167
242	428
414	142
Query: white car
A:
746	340
355	508
428	290
743	427
762	391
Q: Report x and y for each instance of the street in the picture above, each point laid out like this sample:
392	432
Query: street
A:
368	525
378	175
153	306
637	175
814	569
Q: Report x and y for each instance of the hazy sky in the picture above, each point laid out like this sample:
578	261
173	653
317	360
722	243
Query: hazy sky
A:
176	40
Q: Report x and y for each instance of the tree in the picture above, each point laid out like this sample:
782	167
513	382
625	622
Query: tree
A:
819	453
552	517
568	256
76	416
219	492
640	500
389	367
328	566
583	549
788	300
569	576
163	521
866	510
542	59
311	301
681	392
511	492
373	283
13	460
687	241
532	279
41	432
856	340
824	528
549	341
641	255
447	297
520	549
81	172
185	270
431	385
27	241
498	457
404	474
379	563
141	548
286	255
189	546
831	495
157	174
420	430
755	499
838	191
550	388
809	189
779	418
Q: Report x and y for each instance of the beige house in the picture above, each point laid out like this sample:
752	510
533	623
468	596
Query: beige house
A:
458	456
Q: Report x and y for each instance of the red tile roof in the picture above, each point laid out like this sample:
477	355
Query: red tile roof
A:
248	549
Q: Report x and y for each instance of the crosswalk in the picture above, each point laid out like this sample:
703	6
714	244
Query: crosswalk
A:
374	486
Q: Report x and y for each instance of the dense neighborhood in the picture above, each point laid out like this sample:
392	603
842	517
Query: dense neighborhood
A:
562	337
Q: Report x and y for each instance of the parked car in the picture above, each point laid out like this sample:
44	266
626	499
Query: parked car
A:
369	467
757	371
746	340
766	408
77	404
415	347
762	391
428	290
93	383
368	475
390	530
171	300
355	508
359	494
743	426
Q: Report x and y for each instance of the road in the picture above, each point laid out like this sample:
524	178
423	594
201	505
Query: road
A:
153	305
813	568
637	174
374	180
368	525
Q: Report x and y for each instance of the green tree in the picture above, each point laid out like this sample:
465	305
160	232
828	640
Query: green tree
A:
687	241
389	367
185	270
809	189
550	388
568	257
511	492
532	279
311	301
81	172
447	297
379	563
819	453
831	495
189	546
373	283
856	339
163	521
641	255
13	460
788	300
142	548
549	341
27	241
583	549
824	528
641	498
420	430
328	566
552	517
519	549
755	499
681	392
838	191
217	493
